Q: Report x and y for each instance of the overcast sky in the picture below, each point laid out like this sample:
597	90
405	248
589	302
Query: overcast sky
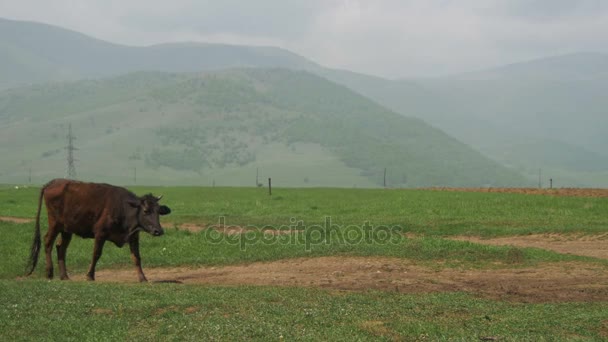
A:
392	38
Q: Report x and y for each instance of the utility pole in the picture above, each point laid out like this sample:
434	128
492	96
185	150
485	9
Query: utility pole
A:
385	177
71	149
256	177
135	175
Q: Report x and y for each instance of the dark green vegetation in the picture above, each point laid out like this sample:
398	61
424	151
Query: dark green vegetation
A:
168	311
296	127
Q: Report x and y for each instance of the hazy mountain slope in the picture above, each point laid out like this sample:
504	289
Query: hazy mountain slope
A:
568	111
570	67
560	115
34	52
194	128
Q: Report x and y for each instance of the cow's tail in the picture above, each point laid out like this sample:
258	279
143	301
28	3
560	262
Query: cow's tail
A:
35	251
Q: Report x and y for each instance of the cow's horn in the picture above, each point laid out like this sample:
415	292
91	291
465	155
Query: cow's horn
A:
159	197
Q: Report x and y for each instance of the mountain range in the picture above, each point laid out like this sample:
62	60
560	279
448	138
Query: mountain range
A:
544	114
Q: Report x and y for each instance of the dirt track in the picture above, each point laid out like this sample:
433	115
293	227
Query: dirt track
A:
586	245
551	282
574	192
15	219
564	282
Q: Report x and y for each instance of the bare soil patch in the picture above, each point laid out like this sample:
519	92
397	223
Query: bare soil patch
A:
550	282
15	219
586	245
191	227
576	192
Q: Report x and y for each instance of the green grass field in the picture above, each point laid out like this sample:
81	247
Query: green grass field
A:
33	308
419	211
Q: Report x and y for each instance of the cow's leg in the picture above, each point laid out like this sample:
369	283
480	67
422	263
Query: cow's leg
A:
62	246
134	245
99	242
49	239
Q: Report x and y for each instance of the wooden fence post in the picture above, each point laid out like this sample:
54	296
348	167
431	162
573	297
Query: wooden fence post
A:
269	187
385	177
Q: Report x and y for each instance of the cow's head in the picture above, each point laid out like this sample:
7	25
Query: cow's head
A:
148	213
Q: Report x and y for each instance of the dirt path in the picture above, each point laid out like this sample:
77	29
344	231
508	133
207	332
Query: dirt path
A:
587	245
576	192
15	219
551	282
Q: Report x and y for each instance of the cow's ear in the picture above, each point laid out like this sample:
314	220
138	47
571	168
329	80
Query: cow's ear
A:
134	203
164	210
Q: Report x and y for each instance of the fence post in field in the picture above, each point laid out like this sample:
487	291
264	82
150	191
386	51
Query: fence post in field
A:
385	177
269	186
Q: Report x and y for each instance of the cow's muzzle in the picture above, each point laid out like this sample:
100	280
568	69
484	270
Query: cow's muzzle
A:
157	232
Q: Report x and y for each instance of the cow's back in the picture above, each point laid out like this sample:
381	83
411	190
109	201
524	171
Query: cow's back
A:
78	206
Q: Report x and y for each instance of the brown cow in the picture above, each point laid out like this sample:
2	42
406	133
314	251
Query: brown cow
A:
99	211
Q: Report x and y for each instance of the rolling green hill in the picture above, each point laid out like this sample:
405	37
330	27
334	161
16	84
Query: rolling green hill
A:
219	127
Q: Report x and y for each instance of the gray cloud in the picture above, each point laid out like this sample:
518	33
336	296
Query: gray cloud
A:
552	9
270	18
393	38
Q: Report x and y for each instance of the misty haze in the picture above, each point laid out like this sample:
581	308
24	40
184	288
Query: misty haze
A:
228	102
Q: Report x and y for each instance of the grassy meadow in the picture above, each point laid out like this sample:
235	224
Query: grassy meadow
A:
34	308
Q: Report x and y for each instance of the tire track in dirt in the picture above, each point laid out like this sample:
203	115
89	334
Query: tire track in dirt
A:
547	282
595	246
